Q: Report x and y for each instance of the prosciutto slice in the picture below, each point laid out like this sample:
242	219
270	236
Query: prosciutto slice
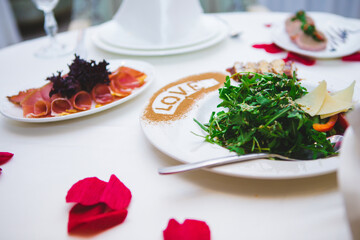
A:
60	105
81	101
101	94
34	105
132	72
17	99
45	91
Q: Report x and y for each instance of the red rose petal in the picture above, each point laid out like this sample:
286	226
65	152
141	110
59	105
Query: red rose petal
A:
5	157
87	191
353	57
268	25
94	218
116	195
298	58
270	48
190	230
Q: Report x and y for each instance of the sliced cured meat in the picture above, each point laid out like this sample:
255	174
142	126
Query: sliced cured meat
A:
130	71
101	94
124	80
307	42
17	99
60	105
81	100
45	91
41	108
34	105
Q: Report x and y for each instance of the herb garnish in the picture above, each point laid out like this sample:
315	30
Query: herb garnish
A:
308	29
83	75
262	116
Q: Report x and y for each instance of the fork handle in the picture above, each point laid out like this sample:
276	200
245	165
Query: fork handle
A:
212	163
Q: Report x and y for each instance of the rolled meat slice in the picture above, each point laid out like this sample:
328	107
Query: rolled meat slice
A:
81	101
124	81
60	105
34	105
132	72
101	94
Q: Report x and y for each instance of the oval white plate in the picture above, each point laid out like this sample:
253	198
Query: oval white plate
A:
112	33
219	36
15	112
323	22
177	140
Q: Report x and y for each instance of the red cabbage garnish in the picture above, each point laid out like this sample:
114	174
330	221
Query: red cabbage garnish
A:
83	75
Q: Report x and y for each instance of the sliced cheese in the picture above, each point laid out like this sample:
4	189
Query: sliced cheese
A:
333	105
320	102
330	114
312	102
346	94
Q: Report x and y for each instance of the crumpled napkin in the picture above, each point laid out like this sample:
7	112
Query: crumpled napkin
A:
349	171
159	21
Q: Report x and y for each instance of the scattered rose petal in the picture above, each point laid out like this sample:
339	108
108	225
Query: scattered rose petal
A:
116	195
299	58
90	191
87	191
100	205
190	230
353	57
94	218
270	48
0	170
5	157
268	25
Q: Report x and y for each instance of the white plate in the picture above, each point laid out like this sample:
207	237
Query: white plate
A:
15	112
113	34
324	22
177	139
219	36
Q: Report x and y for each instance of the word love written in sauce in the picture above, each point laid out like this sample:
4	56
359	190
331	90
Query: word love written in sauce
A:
174	100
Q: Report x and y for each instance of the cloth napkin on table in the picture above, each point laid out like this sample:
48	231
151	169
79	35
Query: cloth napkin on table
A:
159	21
349	171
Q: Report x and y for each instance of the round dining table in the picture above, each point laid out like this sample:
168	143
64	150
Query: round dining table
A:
49	157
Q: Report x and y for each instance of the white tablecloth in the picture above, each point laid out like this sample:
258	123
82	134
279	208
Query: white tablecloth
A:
50	158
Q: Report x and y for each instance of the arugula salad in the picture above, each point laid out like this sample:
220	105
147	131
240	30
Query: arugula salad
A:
259	114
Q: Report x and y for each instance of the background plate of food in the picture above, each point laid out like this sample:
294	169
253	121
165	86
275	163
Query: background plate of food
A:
318	35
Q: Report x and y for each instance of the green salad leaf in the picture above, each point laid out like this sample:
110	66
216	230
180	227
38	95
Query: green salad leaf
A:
260	115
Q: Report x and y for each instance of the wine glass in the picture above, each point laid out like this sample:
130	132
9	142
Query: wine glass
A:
53	48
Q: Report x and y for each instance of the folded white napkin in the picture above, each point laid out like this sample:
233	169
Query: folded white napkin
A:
159	21
349	171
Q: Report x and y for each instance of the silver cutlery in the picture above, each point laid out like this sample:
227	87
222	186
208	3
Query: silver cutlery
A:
215	162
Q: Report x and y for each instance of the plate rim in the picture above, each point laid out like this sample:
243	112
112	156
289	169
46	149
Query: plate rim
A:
131	52
100	31
151	75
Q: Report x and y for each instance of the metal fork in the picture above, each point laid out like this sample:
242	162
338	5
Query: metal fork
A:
335	139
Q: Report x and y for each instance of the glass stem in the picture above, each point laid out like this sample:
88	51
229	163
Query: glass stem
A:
50	25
